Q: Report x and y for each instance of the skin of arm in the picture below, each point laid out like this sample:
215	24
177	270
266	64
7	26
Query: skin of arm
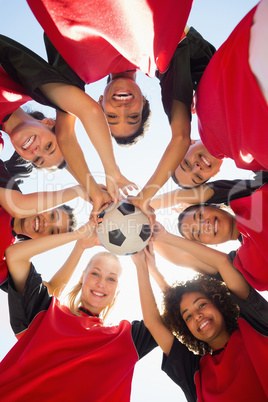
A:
151	316
154	272
58	282
74	101
213	258
194	195
19	255
21	205
172	157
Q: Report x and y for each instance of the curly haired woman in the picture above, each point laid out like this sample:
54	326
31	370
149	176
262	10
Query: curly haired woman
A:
222	352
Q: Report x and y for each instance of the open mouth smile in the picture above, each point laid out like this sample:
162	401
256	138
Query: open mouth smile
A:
203	325
28	142
122	96
36	224
205	161
98	293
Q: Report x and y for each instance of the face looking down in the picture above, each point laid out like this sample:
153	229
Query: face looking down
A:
122	103
197	166
36	143
99	283
47	223
208	225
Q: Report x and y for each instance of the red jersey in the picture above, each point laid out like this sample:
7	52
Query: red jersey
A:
251	218
231	109
99	37
6	239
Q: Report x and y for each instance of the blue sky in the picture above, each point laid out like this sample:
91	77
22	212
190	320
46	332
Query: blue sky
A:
215	21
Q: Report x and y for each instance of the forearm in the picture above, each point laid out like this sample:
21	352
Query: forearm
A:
182	259
21	205
151	316
171	158
58	282
194	195
159	279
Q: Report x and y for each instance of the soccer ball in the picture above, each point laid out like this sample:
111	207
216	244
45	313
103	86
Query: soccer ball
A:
125	229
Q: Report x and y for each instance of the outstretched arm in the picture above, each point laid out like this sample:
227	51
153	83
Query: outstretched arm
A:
73	100
19	255
58	282
154	272
214	259
21	205
193	195
172	157
151	316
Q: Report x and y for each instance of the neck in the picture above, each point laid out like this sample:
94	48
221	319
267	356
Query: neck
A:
130	75
18	225
235	231
220	341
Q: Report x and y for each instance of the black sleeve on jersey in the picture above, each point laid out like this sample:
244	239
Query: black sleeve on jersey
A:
142	338
227	190
181	365
254	310
185	71
6	180
24	307
58	63
28	69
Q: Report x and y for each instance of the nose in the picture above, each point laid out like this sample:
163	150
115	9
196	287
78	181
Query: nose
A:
35	149
206	225
197	166
198	315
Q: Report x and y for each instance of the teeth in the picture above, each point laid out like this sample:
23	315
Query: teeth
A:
202	325
206	162
37	224
123	96
28	142
216	225
97	293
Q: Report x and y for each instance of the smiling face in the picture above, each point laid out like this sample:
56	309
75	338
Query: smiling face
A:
208	225
197	166
35	142
203	319
47	223
99	283
122	103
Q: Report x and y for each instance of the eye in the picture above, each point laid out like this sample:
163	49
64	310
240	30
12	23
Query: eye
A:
111	279
111	116
48	146
199	177
134	116
202	305
52	232
94	274
52	216
187	318
200	216
187	163
36	159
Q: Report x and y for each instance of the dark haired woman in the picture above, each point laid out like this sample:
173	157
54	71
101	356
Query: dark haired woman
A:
25	76
222	328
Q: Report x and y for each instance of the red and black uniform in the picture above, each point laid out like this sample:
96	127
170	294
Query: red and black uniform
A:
7	235
185	70
22	72
64	357
237	372
113	36
231	109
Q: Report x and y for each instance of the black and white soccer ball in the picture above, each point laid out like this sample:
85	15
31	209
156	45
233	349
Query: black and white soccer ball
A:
125	229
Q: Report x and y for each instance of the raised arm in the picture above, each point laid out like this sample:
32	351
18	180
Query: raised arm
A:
151	316
21	205
19	255
73	100
154	272
193	195
58	282
215	259
173	155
